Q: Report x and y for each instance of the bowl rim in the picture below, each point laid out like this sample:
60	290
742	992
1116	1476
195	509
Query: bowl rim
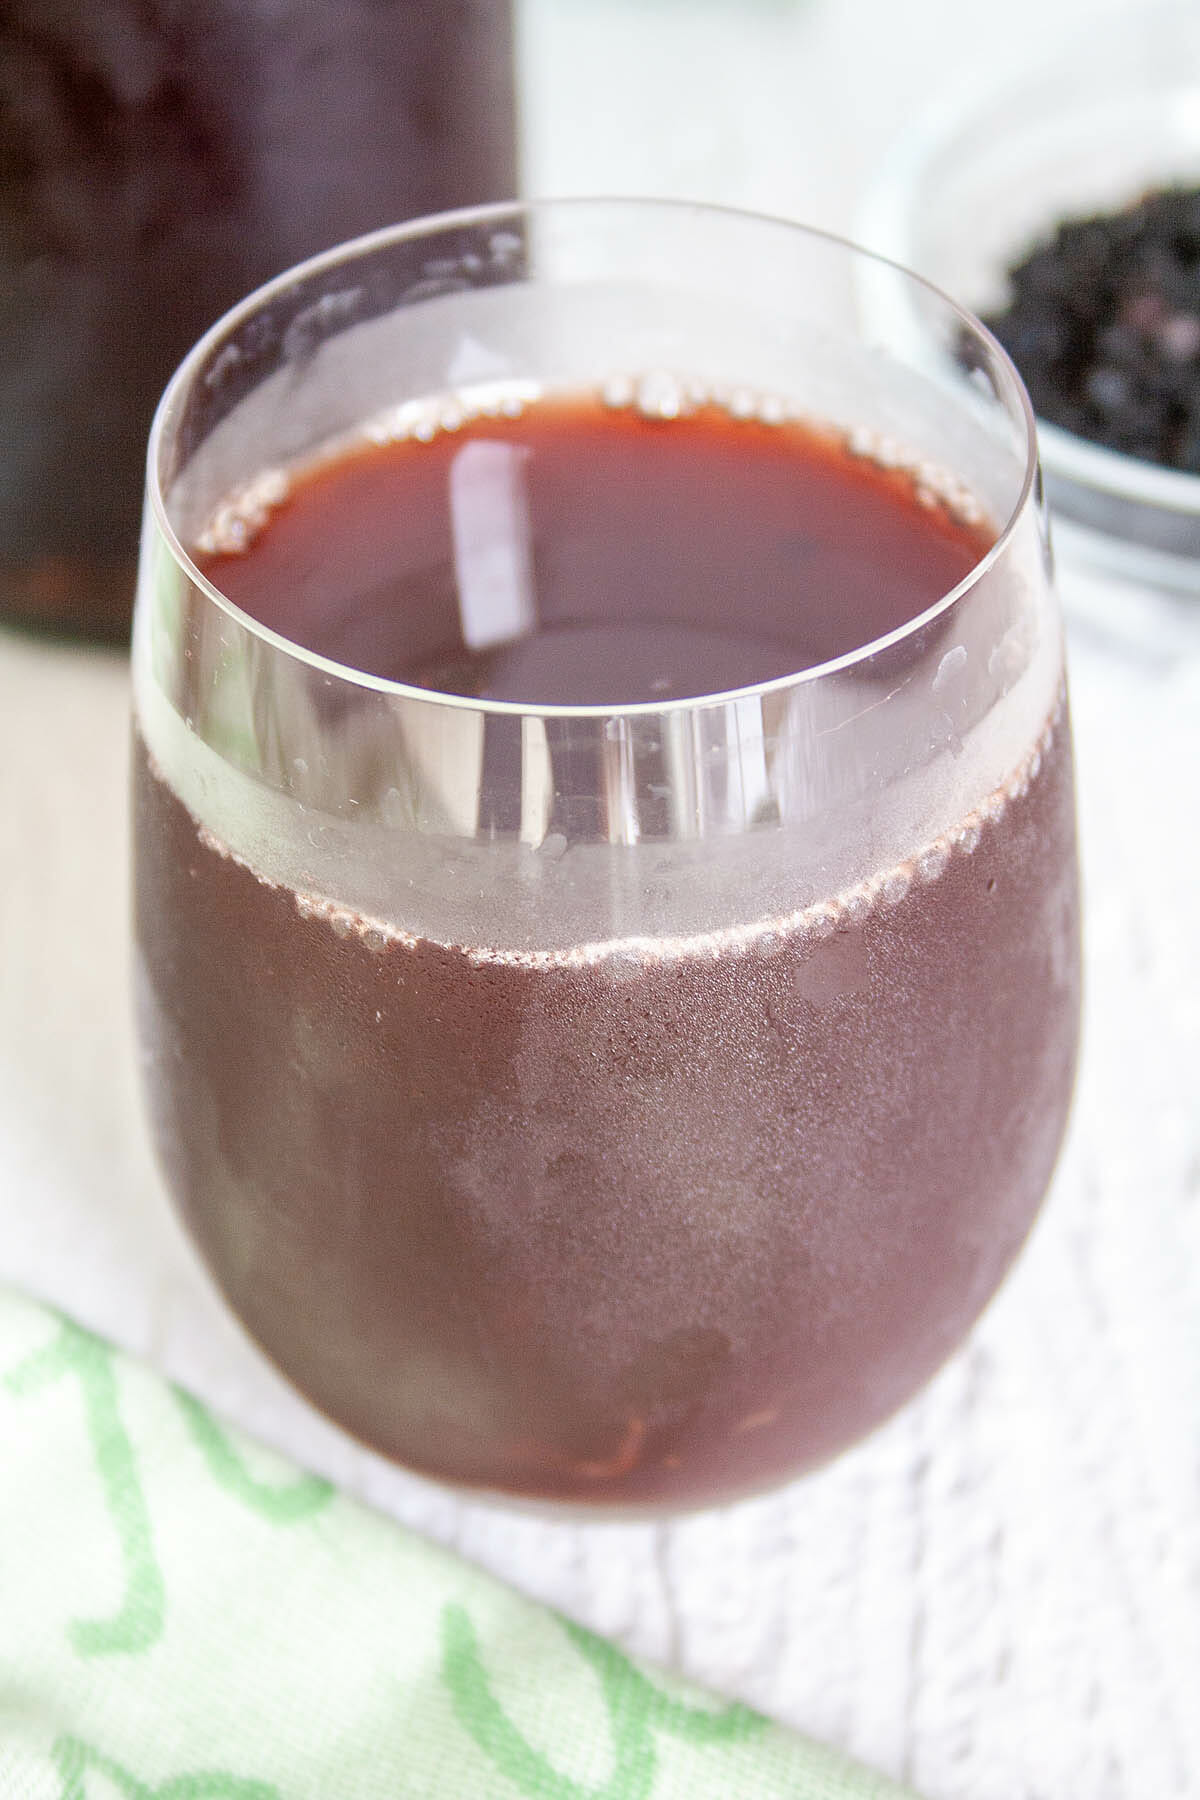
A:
887	209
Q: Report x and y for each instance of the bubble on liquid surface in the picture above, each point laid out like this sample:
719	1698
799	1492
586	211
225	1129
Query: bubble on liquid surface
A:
931	864
933	485
660	395
825	919
240	517
896	886
618	391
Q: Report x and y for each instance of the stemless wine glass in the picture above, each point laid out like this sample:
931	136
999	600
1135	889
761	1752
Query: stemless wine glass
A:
623	1100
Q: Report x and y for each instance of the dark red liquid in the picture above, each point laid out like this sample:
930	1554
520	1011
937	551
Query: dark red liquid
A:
662	558
628	1233
156	163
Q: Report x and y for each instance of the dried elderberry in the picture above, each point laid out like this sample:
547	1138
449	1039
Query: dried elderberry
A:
1104	325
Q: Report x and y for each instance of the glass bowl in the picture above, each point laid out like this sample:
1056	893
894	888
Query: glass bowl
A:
975	183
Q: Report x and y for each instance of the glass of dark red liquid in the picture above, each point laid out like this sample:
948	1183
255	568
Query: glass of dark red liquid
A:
605	866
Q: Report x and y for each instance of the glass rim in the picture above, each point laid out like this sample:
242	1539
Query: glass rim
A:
495	212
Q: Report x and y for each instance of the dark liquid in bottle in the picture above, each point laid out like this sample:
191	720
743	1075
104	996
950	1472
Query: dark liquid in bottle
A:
156	163
631	1231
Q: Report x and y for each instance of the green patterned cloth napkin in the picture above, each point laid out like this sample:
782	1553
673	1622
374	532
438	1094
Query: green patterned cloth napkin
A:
185	1617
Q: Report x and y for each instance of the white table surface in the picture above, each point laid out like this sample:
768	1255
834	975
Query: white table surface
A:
998	1596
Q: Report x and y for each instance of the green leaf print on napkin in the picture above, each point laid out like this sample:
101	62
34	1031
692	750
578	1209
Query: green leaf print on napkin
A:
282	1503
138	1622
73	1759
280	1642
633	1703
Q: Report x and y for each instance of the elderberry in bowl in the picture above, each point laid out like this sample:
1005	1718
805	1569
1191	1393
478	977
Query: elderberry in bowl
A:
1063	205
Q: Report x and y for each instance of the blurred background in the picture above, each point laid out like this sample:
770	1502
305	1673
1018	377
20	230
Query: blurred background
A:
786	106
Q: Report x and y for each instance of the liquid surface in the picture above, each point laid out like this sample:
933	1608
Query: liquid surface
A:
584	553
